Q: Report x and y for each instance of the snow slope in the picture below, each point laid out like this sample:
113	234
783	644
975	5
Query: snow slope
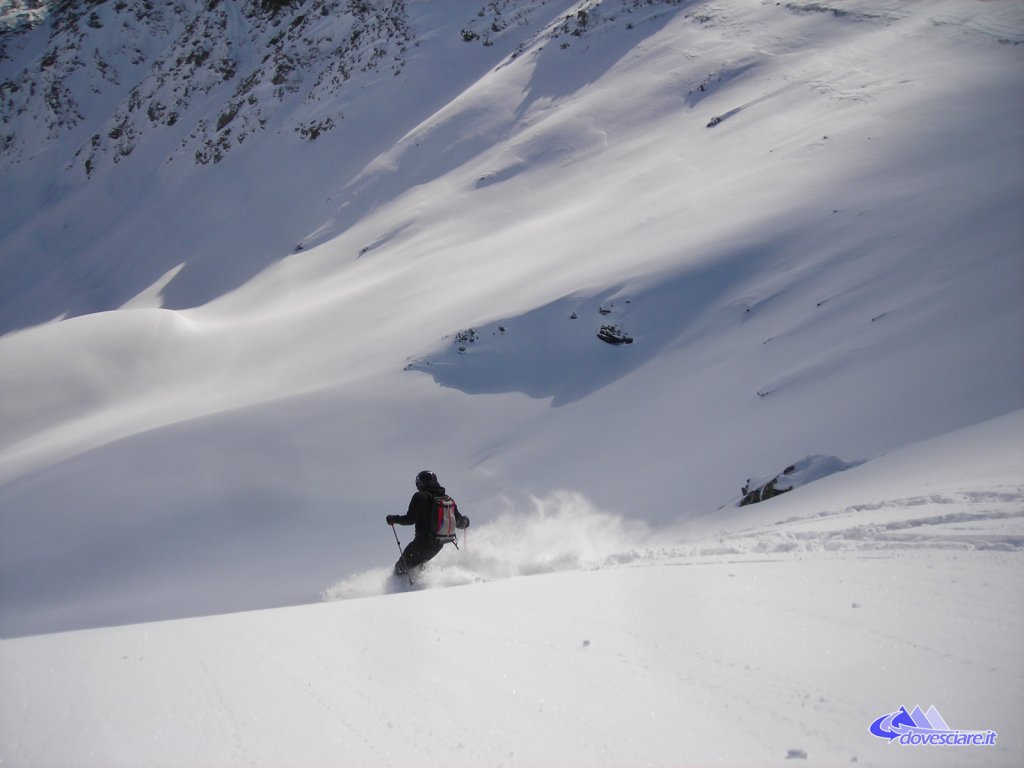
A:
805	215
776	639
831	268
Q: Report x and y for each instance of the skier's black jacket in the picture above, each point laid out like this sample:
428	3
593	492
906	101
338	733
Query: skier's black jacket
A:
421	508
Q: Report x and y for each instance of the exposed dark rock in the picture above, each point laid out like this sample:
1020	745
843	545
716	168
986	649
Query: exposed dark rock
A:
612	334
805	471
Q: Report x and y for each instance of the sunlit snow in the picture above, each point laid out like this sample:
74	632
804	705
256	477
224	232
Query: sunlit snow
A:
232	338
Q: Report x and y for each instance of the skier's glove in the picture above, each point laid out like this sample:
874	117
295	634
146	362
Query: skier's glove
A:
463	522
392	519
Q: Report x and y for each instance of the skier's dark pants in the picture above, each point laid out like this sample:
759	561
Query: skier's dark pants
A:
416	554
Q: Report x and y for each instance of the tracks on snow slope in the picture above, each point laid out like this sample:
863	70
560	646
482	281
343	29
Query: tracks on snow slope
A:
968	520
973	520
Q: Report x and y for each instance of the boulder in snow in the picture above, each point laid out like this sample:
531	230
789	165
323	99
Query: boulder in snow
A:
805	471
614	335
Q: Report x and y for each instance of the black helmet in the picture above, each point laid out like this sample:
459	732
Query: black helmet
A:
426	479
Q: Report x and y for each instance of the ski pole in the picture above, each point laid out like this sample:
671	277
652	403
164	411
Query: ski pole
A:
401	556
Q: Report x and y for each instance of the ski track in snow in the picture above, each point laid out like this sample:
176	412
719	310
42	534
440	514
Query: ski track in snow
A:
856	563
805	647
984	520
592	641
969	520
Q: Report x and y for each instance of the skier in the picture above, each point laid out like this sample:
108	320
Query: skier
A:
422	510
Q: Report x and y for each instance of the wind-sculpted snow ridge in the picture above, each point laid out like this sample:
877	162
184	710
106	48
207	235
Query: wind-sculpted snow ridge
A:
562	532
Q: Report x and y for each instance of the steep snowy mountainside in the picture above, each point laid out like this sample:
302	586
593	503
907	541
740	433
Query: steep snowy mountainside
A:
134	103
805	217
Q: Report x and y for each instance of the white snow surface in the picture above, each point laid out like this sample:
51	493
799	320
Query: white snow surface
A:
782	636
805	215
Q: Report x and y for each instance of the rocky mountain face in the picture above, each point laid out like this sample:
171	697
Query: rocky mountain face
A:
117	118
205	75
17	14
107	76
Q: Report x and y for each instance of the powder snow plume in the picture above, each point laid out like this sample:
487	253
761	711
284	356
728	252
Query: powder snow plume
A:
559	532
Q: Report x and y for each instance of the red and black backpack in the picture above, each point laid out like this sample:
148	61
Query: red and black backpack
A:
442	519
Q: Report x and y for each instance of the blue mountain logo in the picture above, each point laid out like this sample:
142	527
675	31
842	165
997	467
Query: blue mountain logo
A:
919	728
